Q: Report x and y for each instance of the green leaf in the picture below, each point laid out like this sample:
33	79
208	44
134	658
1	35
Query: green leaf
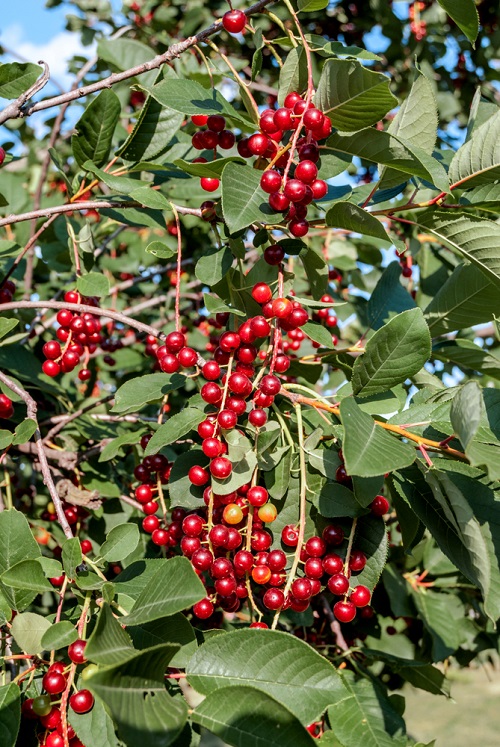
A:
27	630
160	250
416	122
71	556
477	162
465	15
155	127
318	333
173	629
115	446
59	635
174	587
468	297
371	538
309	6
24	431
388	298
189	97
109	644
243	200
212	168
465	412
135	694
5	438
352	96
27	574
176	427
120	184
95	128
397	351
16	544
293	74
16	78
476	239
443	616
368	449
214	265
182	492
468	355
355	219
94	727
277	664
214	305
93	284
150	198
391	150
245	716
126	53
364	716
120	542
137	392
10	714
6	325
316	270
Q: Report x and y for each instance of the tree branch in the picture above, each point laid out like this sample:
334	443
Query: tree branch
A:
88	205
81	307
12	112
31	410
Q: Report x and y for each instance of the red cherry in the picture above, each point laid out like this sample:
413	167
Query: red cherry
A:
54	739
279	202
361	596
52	719
270	181
243	148
211	393
313	119
187	357
298	228
219	535
216	123
150	523
211	447
51	368
306	172
291	99
202	559
161	537
199	119
406	271
357	561
260	326
301	589
226	139
221	468
344	611
290	535
333	534
338	584
52	349
332	564
203	609
234	21
295	190
192	525
82	701
261	293
257	418
319	189
379	506
283	119
313	568
282	308
243	560
227	419
209	184
273	599
76	651
315	547
198	476
54	683
309	152
258	144
211	370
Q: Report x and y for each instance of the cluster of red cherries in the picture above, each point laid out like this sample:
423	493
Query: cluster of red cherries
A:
80	335
290	196
173	354
45	708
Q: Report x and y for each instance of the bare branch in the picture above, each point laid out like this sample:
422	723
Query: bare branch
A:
88	205
31	409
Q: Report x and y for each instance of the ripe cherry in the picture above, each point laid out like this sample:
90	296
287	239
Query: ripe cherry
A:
313	568
226	139
282	308
313	119
333	534
298	228
291	99
315	547
219	535
344	611
290	535
338	584
211	393
257	418
199	119
357	561
260	326
273	599
52	349
273	255
202	559
360	596
261	293
306	172
150	523
295	190
203	609
221	467
54	683
54	739
332	564
82	701
234	21
319	189
257	496
51	368
243	560
52	719
379	506
209	184
198	476
301	589
211	370
279	202
258	144
259	625
76	651
227	419
270	181
270	384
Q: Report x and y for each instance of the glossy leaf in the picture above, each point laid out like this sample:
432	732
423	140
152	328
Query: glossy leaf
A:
353	218
176	427
243	200
17	77
120	542
477	162
465	15
95	128
141	390
10	714
59	635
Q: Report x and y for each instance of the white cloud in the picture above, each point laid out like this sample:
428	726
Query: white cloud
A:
55	52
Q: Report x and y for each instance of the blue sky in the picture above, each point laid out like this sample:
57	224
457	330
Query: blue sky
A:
38	23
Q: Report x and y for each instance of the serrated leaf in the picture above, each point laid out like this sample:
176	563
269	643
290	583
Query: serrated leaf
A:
277	664
352	96
17	77
109	644
135	694
176	427
243	200
318	333
397	351
141	390
173	588
16	544
215	305
371	538
468	355
245	716
93	284
468	297
388	298
391	150
120	184
293	74
466	410
316	270
474	238
365	717
155	127
368	449
214	265
212	169
95	128
160	250
94	727
353	218
477	162
465	15
120	542
182	492
173	629
27	574
150	198
71	556
115	446
59	635
27	630
10	714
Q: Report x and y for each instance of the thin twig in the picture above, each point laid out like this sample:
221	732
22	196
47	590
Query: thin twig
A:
14	109
31	409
